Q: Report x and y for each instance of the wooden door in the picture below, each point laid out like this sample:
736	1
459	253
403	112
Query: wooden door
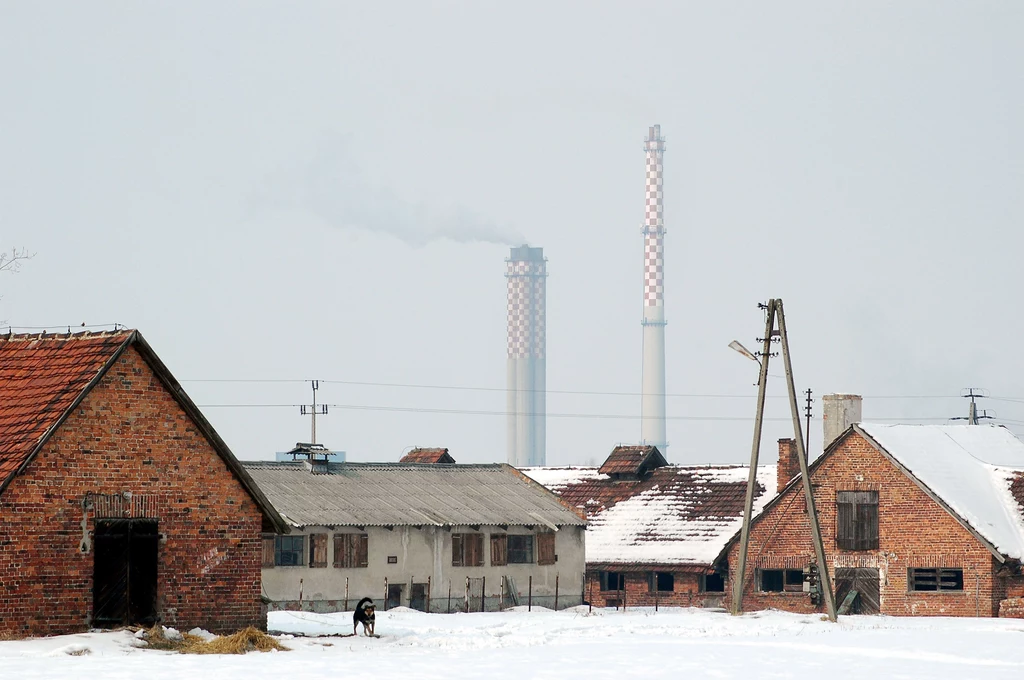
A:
866	583
125	572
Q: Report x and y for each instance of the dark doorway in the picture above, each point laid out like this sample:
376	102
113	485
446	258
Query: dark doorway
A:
865	582
419	597
125	572
394	596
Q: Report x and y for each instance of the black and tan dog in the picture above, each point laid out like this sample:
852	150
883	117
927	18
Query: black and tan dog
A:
364	614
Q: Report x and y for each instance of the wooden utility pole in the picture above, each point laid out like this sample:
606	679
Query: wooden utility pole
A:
774	314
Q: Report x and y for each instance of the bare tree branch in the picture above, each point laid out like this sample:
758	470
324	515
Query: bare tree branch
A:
11	262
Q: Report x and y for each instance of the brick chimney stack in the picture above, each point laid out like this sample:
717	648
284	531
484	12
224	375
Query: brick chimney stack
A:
789	462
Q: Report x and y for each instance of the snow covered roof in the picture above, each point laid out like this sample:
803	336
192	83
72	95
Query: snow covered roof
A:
976	470
676	515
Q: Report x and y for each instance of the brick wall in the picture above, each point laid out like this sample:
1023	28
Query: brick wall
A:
914	531
637	593
129	435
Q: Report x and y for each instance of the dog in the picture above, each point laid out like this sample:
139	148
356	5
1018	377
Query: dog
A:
364	614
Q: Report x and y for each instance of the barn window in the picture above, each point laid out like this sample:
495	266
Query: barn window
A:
467	550
288	551
520	549
935	579
712	583
318	550
612	580
857	520
781	580
351	551
660	582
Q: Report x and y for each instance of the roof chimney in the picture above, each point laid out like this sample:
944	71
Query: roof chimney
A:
839	412
789	462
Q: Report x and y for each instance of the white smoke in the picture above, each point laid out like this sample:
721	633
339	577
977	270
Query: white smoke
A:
332	187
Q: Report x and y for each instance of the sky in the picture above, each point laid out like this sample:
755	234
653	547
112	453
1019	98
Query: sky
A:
274	193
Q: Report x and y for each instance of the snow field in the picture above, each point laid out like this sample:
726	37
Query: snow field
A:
676	643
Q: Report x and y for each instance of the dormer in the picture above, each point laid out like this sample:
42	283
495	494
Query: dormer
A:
631	463
424	455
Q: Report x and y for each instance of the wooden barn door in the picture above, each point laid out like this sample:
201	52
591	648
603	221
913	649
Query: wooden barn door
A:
125	572
865	582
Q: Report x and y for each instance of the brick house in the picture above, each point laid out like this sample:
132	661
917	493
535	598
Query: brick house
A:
655	530
120	503
433	536
916	520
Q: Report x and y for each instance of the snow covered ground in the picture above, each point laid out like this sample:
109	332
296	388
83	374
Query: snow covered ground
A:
641	644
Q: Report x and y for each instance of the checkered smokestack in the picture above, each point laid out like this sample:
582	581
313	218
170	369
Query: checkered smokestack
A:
652	406
526	271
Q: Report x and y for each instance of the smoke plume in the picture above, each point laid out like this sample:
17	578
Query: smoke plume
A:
332	187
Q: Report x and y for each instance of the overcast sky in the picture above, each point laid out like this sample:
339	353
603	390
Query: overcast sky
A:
293	191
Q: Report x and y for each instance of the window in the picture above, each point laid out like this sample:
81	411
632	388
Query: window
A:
660	582
546	549
857	520
520	549
288	551
351	551
318	550
467	550
781	580
611	580
712	583
935	579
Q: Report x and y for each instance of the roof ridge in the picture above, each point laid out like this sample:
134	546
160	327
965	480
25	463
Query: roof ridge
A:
80	335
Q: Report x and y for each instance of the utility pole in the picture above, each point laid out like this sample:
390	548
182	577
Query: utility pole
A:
972	418
807	412
313	410
774	314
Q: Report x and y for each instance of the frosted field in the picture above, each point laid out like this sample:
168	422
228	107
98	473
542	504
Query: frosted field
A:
642	644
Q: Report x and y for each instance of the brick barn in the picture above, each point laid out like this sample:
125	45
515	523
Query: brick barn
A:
655	530
119	502
916	520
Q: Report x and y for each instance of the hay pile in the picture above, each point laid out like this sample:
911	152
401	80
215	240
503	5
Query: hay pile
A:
244	641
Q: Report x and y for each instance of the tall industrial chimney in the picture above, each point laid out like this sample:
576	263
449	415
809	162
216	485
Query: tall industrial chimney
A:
652	406
838	413
526	372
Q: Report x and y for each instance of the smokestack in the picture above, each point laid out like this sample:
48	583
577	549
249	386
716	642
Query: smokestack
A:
526	271
838	413
652	404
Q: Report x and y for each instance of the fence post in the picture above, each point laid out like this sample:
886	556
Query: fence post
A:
467	594
556	592
385	593
501	593
449	596
529	601
655	592
346	593
428	594
483	593
590	600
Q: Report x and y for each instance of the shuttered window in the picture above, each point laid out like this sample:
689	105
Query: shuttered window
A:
318	550
268	551
499	550
467	550
857	520
351	551
546	549
935	579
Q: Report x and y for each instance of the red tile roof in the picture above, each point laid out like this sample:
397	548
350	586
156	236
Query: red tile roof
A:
631	460
41	377
427	456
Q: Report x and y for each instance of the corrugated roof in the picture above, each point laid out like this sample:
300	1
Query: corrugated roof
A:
395	494
677	515
433	456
